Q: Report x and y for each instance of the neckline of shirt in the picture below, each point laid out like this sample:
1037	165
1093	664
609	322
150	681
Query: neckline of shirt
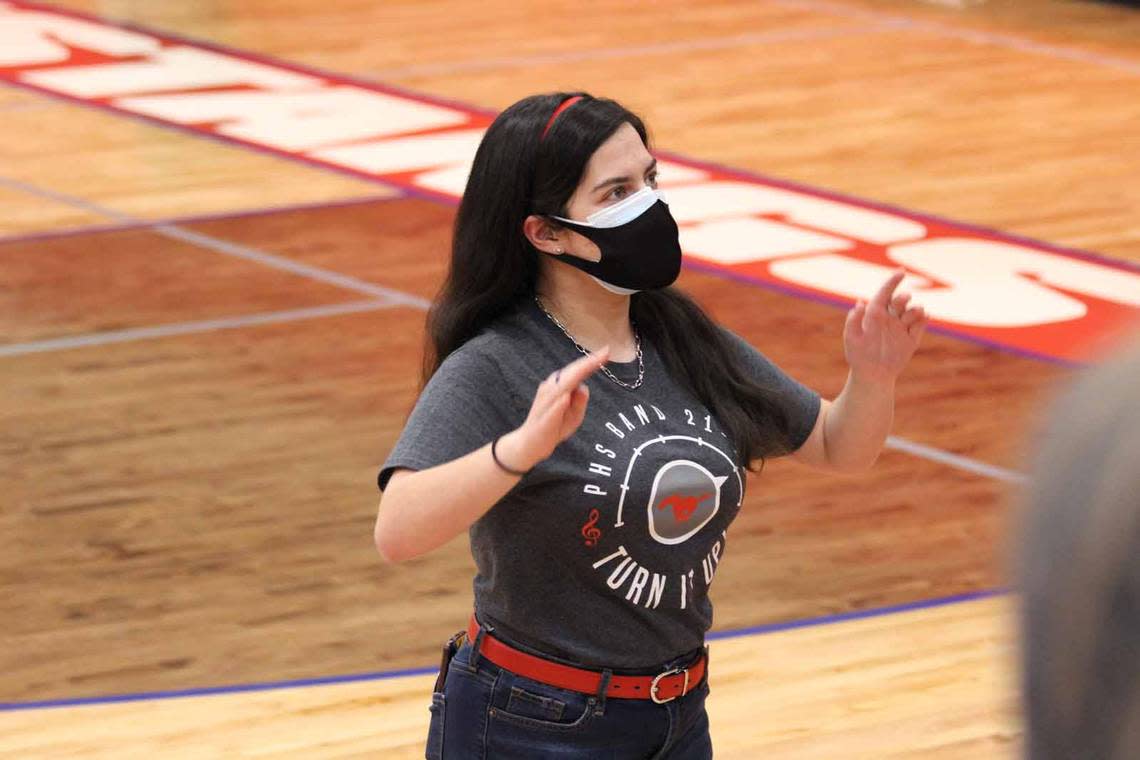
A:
624	371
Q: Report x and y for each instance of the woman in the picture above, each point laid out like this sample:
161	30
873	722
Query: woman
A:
591	426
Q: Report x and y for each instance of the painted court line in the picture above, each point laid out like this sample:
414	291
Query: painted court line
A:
252	254
406	191
1008	41
188	328
1100	296
174	232
957	461
842	617
760	630
388	296
92	229
664	48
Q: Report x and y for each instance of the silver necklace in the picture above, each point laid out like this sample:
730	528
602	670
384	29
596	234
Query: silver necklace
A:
603	368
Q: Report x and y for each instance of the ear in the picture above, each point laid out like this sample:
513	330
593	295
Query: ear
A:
544	235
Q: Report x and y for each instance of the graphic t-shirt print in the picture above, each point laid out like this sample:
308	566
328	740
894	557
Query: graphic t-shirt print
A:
663	487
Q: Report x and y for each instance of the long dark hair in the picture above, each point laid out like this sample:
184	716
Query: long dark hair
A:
493	265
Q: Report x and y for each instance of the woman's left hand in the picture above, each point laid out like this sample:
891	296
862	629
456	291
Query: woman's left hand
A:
881	336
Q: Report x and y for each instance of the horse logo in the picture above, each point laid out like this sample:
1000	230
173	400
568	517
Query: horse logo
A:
685	496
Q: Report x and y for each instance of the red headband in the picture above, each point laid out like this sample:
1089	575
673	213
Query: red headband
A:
565	104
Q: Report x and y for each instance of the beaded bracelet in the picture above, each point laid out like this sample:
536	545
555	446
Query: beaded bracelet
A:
501	465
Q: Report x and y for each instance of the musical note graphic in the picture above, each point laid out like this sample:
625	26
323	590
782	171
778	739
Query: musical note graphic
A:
589	531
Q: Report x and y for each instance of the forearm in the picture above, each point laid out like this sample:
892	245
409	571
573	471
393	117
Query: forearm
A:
858	422
423	510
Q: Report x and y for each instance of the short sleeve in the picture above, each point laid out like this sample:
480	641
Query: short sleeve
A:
464	406
800	403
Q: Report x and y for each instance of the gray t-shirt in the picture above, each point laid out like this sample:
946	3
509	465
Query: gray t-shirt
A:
603	553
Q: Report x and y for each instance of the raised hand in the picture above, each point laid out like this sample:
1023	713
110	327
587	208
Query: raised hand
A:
557	410
880	336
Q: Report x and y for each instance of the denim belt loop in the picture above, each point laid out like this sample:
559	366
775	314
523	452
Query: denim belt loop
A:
478	643
603	686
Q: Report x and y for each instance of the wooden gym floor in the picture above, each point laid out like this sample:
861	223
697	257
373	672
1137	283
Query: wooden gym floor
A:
192	508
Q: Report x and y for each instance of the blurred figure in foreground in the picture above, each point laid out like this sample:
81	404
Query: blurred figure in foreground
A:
1078	566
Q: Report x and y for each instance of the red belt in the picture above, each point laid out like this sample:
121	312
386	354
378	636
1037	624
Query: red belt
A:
661	688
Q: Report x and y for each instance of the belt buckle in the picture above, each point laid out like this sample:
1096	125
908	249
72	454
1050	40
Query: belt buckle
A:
655	685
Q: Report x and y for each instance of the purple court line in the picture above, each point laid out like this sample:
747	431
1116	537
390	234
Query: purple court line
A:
760	630
414	192
92	229
152	696
843	617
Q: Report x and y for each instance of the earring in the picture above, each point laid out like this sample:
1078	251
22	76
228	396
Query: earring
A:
558	250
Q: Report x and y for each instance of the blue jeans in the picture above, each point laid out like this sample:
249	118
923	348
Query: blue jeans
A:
481	711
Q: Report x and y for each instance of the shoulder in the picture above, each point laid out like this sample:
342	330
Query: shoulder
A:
500	345
759	366
741	347
474	361
729	335
488	351
488	366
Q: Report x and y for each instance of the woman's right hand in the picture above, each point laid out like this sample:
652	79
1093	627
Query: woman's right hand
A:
557	410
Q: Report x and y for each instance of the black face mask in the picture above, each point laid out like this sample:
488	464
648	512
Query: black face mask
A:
638	239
